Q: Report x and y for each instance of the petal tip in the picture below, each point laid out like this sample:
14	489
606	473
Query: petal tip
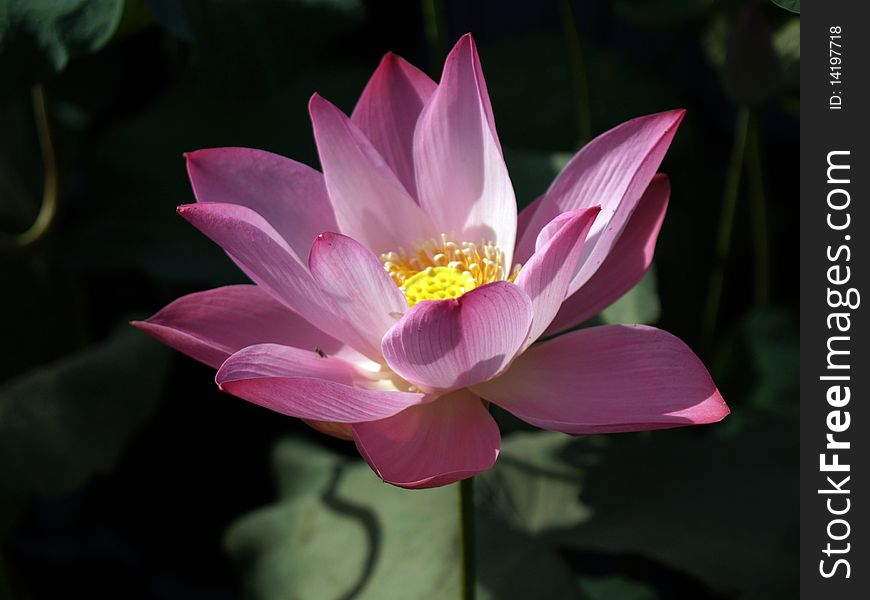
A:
184	209
325	237
143	326
464	45
198	155
316	102
724	409
678	115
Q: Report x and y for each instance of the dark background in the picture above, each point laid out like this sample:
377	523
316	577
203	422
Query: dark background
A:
121	465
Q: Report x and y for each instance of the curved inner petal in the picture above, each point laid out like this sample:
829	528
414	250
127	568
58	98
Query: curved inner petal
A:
462	181
444	345
388	110
371	204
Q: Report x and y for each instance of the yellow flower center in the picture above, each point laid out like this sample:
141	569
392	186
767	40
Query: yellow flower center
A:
440	269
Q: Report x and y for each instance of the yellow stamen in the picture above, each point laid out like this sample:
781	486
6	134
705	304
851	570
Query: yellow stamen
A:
440	269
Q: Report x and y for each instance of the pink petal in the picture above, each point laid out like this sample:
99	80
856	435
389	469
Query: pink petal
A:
289	195
266	258
443	345
608	379
303	384
371	204
462	180
357	286
612	171
546	276
626	264
387	113
211	325
432	444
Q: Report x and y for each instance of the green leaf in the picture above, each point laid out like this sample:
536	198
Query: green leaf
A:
759	363
616	588
787	40
531	487
774	348
791	5
639	305
528	493
337	531
787	43
710	507
512	565
39	37
677	499
62	423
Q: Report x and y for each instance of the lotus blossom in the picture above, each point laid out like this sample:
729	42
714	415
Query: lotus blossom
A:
397	294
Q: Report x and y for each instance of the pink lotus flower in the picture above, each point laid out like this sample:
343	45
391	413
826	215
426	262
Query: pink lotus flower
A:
412	312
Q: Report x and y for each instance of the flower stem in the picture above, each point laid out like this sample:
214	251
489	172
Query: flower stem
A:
435	25
758	208
578	71
48	208
726	226
466	525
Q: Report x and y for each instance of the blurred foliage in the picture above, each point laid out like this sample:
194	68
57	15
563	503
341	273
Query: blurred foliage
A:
246	47
638	305
661	13
752	68
552	509
120	467
62	423
389	539
393	541
39	37
791	5
616	587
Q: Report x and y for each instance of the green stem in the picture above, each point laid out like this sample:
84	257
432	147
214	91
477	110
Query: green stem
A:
466	523
726	226
578	71
758	208
48	208
436	31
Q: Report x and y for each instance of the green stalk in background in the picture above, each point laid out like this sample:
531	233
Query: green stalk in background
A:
466	520
758	214
51	186
578	71
726	227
